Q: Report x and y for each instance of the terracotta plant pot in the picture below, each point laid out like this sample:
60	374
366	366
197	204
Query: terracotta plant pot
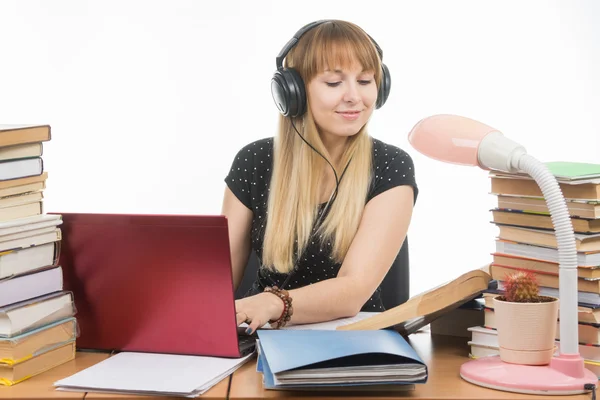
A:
526	331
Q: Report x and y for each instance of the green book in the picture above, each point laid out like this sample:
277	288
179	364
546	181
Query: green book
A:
565	170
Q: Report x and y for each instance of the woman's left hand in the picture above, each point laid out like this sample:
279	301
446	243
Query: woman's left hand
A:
257	310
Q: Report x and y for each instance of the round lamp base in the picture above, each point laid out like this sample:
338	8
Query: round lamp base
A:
493	373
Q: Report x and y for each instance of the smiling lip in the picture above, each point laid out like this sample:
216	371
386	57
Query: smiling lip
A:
349	115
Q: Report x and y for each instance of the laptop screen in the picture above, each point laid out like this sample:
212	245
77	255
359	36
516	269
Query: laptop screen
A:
150	283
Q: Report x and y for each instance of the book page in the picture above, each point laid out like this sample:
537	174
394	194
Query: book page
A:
332	325
324	326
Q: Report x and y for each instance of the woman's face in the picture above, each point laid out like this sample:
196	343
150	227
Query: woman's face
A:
342	100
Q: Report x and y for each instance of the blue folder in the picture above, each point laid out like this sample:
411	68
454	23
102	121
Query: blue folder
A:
373	352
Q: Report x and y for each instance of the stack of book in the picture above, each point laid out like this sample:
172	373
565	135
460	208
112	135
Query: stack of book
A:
37	324
527	241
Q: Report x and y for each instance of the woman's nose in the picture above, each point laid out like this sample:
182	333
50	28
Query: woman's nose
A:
351	94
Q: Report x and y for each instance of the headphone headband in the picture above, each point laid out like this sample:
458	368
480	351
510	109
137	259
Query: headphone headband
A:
294	40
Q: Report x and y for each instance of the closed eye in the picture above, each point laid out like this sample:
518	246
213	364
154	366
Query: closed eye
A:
362	82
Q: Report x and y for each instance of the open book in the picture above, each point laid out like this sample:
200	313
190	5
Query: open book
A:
422	309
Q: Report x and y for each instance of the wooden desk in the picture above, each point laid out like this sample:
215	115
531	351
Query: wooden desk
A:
443	356
41	386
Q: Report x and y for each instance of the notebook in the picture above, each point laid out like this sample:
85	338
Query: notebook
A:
574	170
152	283
325	358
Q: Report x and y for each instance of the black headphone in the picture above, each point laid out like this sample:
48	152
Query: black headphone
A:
287	87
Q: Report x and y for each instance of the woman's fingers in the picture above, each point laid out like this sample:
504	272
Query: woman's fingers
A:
254	325
241	317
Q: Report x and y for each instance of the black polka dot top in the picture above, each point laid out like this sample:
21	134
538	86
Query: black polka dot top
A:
249	179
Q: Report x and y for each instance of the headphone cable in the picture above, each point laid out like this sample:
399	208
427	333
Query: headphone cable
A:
337	181
316	151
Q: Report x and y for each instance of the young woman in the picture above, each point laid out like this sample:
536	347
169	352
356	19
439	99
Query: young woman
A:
325	206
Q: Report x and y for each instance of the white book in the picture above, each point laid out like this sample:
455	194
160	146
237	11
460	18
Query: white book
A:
484	336
26	233
28	223
544	253
479	350
29	241
19	262
153	374
25	287
32	313
21	168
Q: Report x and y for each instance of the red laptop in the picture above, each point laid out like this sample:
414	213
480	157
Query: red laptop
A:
152	283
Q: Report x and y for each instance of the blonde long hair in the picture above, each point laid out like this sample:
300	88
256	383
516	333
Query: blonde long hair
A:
298	171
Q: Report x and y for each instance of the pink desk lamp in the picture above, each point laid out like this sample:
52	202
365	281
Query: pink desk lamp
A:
461	140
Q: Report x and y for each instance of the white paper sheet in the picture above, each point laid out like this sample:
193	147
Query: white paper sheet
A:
148	373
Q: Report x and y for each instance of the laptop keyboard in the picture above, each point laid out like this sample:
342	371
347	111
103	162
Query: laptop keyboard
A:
245	341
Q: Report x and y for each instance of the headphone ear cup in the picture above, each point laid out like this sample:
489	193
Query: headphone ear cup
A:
279	93
287	89
385	86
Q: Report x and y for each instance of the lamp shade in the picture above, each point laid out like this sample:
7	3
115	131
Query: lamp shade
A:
449	138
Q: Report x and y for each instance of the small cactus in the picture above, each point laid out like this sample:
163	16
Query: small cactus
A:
521	287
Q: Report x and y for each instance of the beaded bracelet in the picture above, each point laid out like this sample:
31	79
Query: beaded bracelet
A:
288	310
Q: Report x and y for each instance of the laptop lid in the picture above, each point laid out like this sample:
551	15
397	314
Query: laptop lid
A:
151	283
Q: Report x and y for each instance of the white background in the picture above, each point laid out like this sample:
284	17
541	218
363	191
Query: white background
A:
150	100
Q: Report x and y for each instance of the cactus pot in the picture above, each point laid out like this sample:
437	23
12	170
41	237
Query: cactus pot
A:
526	331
